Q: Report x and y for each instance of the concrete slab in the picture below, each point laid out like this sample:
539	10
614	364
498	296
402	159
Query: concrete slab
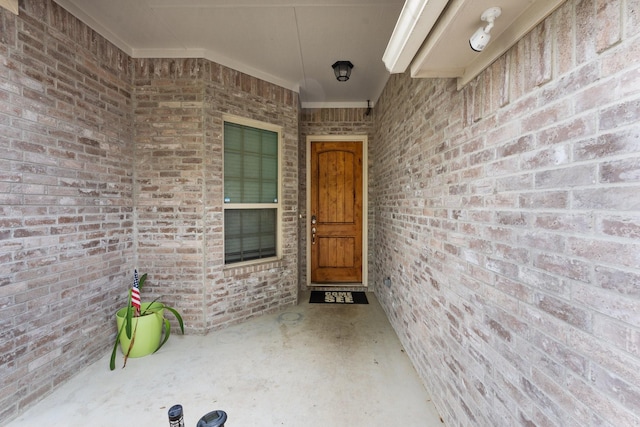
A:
311	365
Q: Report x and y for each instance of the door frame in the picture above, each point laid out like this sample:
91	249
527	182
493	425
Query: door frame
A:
365	205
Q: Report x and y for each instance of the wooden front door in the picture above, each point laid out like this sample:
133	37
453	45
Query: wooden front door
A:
335	216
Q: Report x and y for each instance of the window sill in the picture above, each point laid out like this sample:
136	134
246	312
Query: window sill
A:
252	266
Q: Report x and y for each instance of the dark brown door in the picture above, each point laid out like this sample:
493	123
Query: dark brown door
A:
335	218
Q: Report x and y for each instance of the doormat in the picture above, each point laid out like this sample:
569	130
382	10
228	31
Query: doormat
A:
338	297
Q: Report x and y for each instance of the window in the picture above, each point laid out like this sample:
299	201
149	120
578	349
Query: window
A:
251	190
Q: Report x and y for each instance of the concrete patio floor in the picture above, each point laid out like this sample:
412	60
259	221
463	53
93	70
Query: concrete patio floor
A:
309	365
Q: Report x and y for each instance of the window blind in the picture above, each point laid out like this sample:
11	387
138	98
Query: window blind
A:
250	165
250	178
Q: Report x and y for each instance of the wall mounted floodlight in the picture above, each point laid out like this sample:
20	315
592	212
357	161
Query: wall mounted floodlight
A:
480	39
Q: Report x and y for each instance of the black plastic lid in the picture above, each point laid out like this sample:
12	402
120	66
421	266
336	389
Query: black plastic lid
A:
175	412
213	419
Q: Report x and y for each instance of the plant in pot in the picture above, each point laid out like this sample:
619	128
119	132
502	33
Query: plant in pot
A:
140	325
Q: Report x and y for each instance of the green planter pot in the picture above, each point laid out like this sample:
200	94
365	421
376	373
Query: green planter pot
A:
146	330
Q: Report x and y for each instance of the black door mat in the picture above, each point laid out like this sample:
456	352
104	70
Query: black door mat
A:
338	297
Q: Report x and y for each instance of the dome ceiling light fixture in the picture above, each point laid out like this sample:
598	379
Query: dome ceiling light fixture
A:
342	70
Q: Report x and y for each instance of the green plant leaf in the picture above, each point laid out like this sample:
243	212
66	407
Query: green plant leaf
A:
175	313
167	333
148	309
112	362
128	320
131	343
141	281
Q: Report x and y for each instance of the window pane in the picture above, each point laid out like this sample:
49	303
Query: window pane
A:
249	234
251	166
270	168
233	136
233	189
268	188
252	139
250	158
251	191
270	144
232	163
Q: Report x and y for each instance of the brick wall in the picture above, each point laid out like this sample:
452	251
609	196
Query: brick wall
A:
65	198
169	182
107	163
178	112
179	105
508	218
333	121
235	294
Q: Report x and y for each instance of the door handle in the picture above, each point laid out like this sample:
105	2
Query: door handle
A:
313	229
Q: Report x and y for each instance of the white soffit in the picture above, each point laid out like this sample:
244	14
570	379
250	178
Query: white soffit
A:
446	52
10	5
414	24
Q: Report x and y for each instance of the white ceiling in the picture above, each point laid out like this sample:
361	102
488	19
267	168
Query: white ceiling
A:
292	43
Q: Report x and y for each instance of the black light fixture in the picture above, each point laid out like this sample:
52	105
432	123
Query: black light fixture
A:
342	70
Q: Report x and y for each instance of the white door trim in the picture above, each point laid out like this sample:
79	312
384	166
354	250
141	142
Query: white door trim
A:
365	202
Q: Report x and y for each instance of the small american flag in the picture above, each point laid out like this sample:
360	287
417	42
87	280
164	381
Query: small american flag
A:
135	292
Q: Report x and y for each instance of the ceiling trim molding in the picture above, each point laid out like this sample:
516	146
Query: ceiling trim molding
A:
416	20
95	26
319	105
174	53
218	59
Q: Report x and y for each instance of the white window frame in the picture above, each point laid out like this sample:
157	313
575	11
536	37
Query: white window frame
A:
242	121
